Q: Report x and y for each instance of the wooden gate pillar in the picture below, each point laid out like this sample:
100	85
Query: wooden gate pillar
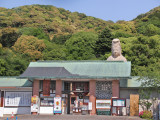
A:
92	96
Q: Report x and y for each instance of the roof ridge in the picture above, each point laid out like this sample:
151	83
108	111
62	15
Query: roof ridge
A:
79	61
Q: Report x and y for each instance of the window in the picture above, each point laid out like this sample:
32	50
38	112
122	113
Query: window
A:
53	85
41	85
73	99
67	86
80	86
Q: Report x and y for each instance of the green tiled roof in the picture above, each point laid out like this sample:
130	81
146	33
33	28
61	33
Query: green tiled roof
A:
14	82
132	82
87	69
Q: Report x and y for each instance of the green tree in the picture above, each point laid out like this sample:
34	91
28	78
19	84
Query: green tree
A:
61	39
11	64
149	30
81	46
54	52
150	87
103	44
143	52
2	67
8	36
29	46
36	32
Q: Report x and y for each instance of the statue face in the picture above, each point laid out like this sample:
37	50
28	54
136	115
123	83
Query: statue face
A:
116	52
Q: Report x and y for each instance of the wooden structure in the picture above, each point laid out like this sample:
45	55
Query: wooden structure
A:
134	104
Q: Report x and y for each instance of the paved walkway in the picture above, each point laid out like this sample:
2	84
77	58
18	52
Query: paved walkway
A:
70	117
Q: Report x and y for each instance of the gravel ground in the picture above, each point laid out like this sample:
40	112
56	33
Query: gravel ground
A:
70	117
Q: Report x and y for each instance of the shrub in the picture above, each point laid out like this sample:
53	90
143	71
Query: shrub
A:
145	114
140	114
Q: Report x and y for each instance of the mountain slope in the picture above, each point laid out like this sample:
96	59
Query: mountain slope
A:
54	21
44	32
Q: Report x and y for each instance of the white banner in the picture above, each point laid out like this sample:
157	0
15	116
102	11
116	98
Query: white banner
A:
89	105
103	104
57	105
18	98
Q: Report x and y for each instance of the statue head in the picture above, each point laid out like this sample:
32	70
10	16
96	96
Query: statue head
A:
116	52
116	48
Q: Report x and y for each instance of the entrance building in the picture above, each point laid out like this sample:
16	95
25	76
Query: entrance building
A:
78	83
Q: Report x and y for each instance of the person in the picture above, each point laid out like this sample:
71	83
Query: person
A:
116	52
76	103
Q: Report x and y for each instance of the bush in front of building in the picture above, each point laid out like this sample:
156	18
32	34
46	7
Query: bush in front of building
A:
146	115
140	114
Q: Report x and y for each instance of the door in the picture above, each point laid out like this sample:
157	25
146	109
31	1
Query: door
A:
134	104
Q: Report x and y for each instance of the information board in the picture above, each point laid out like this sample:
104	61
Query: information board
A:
105	104
18	98
57	105
119	102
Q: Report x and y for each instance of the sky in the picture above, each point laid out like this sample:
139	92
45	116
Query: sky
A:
104	9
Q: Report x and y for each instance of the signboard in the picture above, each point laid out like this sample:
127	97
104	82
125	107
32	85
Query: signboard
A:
34	104
57	105
34	99
119	102
89	105
106	104
34	107
18	98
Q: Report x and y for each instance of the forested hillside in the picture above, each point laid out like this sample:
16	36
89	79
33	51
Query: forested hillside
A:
42	32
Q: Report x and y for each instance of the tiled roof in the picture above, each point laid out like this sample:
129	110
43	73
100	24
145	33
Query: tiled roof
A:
14	82
78	69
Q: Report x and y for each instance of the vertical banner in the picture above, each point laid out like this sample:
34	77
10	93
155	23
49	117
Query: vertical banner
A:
57	105
34	104
89	105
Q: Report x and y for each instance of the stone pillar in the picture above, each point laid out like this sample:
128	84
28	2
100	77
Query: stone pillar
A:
58	88
92	96
36	87
115	88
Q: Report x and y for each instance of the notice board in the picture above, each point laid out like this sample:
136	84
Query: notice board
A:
118	102
18	99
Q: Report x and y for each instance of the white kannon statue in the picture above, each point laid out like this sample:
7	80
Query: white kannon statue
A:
116	51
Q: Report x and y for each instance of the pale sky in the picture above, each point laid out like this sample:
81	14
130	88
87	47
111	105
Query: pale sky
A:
104	9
